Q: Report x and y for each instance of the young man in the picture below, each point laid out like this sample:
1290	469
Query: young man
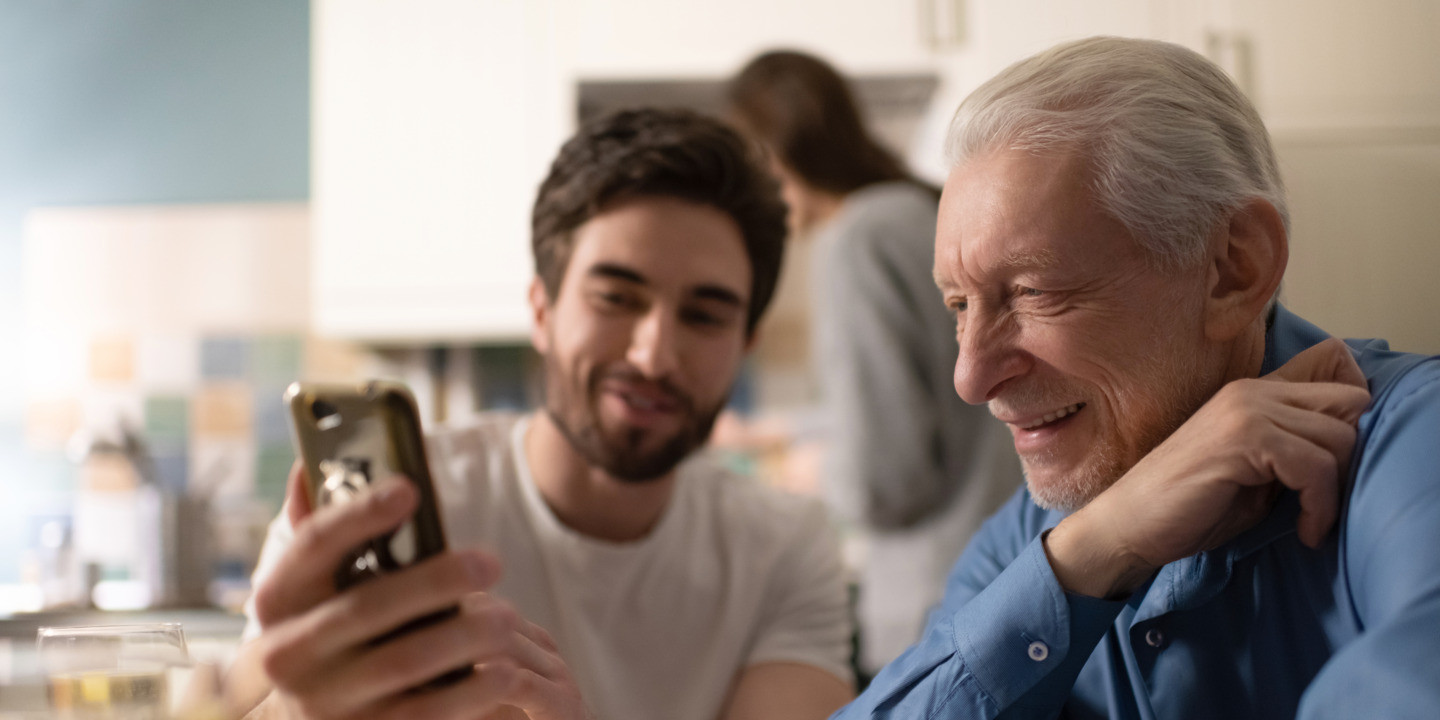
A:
1228	514
641	580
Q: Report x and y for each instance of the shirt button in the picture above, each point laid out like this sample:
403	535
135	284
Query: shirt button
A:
1038	651
1154	638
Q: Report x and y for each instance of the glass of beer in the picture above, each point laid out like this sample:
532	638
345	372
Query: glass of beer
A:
117	672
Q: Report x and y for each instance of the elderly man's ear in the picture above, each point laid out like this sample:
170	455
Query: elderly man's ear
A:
1247	260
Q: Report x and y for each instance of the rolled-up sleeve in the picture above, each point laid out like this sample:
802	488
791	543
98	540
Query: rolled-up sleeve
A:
1008	640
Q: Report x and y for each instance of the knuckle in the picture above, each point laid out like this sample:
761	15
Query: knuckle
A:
266	604
1234	399
502	674
1359	397
352	608
308	537
477	630
546	639
525	683
501	618
278	659
272	661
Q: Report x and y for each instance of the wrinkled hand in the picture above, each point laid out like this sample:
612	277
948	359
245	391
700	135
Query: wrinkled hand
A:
316	644
1220	473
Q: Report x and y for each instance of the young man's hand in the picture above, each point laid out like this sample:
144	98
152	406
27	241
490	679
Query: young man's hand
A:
317	644
1220	473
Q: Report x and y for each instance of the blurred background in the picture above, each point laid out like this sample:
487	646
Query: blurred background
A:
203	200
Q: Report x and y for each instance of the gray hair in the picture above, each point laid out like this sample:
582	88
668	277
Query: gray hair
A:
1174	145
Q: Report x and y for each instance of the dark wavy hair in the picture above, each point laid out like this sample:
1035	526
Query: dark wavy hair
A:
802	110
667	153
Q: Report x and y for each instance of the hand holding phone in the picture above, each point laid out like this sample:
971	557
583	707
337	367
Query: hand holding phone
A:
350	438
429	624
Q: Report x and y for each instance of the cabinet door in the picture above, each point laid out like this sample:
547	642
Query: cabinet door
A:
998	33
434	121
623	39
1351	94
1341	64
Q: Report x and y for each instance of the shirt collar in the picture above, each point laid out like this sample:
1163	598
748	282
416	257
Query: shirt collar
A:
1286	335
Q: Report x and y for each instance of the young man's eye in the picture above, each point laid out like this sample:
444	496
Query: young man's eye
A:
611	299
702	318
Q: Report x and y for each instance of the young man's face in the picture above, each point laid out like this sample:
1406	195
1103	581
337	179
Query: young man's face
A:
646	334
1066	329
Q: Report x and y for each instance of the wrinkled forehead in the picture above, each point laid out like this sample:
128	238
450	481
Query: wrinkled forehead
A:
1014	209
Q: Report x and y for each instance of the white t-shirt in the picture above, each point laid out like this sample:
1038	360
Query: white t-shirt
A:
734	574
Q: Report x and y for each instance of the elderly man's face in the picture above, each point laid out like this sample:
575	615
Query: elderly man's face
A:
1088	353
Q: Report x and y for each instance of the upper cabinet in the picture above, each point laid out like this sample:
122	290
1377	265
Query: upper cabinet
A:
614	39
434	121
1338	64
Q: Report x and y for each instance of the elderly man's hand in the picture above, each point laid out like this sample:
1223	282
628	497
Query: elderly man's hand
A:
317	645
1220	473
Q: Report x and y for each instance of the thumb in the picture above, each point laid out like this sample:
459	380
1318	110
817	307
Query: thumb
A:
1329	361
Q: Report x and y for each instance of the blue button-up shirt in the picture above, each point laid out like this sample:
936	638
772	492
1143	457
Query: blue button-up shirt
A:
1262	627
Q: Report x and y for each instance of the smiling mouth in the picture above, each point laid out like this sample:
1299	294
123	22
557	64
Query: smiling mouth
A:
1051	417
648	404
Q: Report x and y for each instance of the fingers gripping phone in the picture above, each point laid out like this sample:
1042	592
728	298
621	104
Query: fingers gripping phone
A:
351	437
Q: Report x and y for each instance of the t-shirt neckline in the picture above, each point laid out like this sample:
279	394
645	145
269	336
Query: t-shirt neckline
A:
544	514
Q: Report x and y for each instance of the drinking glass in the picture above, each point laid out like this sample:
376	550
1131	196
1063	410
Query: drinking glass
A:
116	672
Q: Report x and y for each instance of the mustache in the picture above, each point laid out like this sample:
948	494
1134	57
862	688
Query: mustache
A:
627	375
1036	396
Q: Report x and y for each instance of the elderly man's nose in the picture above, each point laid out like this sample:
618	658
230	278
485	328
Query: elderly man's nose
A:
652	345
987	359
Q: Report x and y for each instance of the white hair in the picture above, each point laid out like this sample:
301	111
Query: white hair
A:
1175	147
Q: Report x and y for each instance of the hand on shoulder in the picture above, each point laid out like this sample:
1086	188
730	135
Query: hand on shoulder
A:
1219	474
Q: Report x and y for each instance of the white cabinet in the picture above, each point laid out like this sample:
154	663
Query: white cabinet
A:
434	121
617	39
1306	63
1341	64
1351	93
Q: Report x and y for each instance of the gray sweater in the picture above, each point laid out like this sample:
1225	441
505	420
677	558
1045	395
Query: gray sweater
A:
908	460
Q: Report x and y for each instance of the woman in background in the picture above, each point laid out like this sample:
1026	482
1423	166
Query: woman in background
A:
907	461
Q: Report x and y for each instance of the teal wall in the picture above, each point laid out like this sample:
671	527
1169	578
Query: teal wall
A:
134	101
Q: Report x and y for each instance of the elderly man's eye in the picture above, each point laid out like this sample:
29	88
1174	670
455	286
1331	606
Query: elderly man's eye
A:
1031	292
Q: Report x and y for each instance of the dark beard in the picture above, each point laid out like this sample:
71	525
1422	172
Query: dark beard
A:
623	458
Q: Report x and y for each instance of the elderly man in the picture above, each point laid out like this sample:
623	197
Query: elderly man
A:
1227	514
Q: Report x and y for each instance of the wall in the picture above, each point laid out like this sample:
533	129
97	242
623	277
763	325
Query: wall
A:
142	101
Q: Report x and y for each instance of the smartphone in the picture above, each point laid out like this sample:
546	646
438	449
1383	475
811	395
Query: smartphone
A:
350	437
